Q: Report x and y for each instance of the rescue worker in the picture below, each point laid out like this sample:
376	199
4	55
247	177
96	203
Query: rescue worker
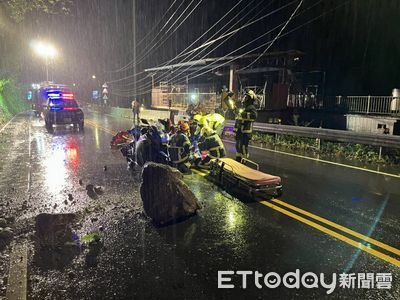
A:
212	143
200	121
179	148
227	101
163	130
136	111
244	120
214	121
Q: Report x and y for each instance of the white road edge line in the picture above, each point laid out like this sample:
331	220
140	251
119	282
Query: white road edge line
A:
29	157
321	160
18	272
4	127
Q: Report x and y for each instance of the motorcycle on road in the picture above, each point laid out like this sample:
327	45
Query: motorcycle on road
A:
144	143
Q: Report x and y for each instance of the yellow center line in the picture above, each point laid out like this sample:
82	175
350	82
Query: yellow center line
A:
330	232
340	227
95	124
323	161
334	225
334	234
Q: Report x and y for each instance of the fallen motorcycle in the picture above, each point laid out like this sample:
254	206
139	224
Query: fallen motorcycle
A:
147	142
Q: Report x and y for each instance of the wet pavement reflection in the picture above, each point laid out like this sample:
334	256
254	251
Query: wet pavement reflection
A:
137	260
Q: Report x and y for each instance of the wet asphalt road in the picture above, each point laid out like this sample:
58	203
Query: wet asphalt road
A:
139	261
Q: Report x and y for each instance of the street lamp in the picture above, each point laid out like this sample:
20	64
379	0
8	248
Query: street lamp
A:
93	76
47	51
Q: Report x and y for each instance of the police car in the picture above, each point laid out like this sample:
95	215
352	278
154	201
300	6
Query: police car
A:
59	107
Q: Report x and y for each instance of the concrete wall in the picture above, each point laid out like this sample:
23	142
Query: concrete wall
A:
369	124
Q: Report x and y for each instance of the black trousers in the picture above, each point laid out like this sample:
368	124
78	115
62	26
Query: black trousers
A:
136	117
184	167
242	145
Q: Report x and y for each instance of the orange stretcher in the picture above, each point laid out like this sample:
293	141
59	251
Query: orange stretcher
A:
230	173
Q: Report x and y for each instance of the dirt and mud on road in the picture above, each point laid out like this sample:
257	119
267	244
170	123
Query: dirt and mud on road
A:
72	201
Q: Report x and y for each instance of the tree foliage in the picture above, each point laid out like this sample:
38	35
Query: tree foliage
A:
18	9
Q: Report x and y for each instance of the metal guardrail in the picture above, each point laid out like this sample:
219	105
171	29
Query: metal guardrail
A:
327	134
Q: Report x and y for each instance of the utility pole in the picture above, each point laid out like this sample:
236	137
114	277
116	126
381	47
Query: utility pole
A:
134	45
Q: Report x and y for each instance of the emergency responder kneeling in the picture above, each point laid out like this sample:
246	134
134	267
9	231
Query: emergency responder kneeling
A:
179	149
211	142
214	121
244	120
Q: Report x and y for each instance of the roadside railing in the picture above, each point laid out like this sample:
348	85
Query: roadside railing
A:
327	134
370	104
380	105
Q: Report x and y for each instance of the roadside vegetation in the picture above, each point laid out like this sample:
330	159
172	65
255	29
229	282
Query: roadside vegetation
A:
356	152
12	15
11	100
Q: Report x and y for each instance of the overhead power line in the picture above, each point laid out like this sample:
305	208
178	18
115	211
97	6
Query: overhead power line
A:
143	92
159	32
276	37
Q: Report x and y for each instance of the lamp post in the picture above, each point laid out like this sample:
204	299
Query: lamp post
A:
47	51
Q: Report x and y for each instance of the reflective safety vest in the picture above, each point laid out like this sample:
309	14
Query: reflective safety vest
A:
201	121
214	145
245	119
179	148
215	120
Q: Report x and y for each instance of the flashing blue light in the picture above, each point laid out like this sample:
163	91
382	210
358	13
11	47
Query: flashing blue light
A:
54	95
56	108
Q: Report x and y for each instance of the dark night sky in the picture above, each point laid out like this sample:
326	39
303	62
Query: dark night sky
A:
357	44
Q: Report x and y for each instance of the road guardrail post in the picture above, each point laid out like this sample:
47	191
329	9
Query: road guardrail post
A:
318	141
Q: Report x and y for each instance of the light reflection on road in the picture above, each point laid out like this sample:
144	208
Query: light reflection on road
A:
40	143
234	218
96	136
59	163
55	170
72	155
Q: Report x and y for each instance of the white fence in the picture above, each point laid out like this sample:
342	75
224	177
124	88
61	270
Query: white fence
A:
379	105
370	104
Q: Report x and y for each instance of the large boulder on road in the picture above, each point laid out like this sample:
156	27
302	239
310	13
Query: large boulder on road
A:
53	230
166	198
55	246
